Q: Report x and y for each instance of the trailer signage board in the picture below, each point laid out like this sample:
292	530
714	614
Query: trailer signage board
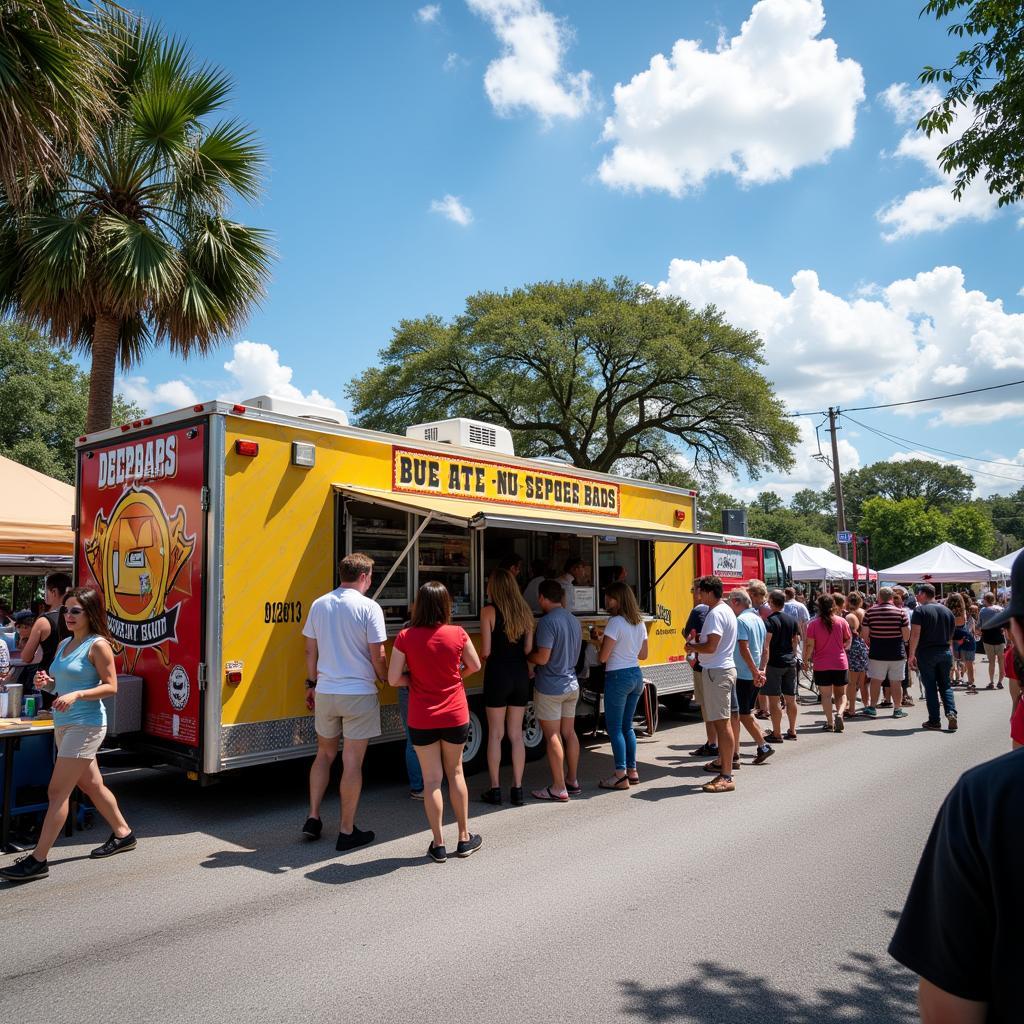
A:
141	544
422	472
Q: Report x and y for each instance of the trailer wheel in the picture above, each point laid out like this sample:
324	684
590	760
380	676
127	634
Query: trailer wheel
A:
474	754
533	735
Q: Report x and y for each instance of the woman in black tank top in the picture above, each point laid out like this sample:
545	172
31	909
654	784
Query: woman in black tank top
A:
506	637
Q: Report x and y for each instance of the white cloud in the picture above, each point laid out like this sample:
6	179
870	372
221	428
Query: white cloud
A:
171	394
807	470
428	14
452	62
529	74
257	370
997	475
454	209
933	207
766	102
915	339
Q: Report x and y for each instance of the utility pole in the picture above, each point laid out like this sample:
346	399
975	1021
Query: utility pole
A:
840	510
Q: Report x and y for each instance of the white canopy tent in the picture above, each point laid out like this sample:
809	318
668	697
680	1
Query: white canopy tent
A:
1007	560
946	563
810	563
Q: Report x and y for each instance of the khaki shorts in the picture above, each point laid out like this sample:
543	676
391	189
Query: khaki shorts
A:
994	651
80	741
356	716
893	671
552	708
718	687
698	686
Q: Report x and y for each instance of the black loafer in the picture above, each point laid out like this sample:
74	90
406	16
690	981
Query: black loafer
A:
356	838
25	869
114	845
312	828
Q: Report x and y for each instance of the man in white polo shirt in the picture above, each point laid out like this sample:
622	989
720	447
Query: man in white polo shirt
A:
715	647
345	637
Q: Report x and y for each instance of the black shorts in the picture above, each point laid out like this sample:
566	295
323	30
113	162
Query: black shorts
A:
831	677
452	734
507	689
781	680
746	695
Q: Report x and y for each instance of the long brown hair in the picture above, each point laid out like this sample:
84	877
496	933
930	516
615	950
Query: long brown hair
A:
433	605
955	603
629	609
826	607
505	596
95	611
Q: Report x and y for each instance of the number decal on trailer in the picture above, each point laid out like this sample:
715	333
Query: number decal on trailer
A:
282	611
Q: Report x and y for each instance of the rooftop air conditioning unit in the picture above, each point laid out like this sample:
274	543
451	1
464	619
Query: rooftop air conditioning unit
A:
300	410
464	434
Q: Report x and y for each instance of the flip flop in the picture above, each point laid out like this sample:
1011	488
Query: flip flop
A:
614	783
573	790
546	794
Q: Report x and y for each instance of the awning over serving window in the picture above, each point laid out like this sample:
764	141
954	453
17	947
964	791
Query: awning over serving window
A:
473	513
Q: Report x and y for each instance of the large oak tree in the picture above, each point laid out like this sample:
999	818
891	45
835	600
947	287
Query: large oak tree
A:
611	376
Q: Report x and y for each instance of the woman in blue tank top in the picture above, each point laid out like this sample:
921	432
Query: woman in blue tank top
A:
82	674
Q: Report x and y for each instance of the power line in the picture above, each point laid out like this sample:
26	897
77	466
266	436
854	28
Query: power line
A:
896	439
913	401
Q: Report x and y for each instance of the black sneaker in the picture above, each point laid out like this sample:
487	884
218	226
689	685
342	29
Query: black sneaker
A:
26	869
884	704
705	750
312	828
771	737
491	796
933	726
763	755
438	854
951	721
467	847
114	845
355	839
515	796
840	724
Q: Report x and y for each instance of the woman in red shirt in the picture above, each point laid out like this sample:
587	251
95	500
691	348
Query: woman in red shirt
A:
430	657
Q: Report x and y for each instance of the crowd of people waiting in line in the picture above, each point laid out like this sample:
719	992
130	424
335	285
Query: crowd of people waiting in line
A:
746	647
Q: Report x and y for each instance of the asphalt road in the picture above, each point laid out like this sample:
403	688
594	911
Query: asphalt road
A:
774	903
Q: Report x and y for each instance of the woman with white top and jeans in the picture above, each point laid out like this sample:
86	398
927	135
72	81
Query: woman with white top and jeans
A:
622	648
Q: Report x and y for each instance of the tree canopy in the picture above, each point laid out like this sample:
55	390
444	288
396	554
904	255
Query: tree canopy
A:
132	246
44	395
938	485
611	376
901	529
985	84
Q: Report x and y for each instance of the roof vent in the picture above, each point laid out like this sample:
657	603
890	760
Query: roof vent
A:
300	410
464	434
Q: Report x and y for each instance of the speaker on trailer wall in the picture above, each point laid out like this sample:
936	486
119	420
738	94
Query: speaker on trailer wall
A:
734	521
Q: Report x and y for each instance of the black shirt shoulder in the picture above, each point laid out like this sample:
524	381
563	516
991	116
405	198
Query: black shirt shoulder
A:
960	927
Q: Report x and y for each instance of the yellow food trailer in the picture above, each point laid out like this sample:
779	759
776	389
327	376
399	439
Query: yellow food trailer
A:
212	529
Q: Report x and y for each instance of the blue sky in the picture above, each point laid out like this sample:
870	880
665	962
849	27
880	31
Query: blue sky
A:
766	149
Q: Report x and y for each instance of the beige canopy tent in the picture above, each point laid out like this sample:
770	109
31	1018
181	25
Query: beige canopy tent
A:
35	515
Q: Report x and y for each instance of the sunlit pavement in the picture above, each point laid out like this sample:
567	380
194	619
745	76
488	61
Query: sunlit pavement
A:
773	903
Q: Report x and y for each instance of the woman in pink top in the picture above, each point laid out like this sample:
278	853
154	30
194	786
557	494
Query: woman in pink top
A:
828	639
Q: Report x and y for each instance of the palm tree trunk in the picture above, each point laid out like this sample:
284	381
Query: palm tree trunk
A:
105	334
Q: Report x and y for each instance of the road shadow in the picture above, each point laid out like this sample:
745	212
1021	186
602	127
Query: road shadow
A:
879	991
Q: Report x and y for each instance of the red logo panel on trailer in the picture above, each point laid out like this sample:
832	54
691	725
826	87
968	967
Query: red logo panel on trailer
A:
140	540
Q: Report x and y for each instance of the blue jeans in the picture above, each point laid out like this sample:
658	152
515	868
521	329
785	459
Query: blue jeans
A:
934	669
412	762
622	690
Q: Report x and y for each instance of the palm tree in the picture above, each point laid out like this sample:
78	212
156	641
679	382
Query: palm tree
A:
133	247
54	84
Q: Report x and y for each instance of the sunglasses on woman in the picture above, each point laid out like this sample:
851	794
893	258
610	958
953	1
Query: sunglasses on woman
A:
73	611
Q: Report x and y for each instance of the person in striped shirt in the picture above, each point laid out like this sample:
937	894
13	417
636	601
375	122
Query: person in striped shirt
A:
886	630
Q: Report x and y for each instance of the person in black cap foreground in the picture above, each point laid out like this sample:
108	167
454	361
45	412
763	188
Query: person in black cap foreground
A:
960	928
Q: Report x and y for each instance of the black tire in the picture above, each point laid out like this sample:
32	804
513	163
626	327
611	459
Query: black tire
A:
533	737
474	754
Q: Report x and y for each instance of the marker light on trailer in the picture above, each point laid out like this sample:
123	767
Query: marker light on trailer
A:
247	448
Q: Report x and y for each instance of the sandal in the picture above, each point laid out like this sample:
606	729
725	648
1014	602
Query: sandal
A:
614	782
547	794
719	785
716	766
573	790
634	779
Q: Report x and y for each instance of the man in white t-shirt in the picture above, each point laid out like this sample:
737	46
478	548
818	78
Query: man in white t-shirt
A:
345	637
715	646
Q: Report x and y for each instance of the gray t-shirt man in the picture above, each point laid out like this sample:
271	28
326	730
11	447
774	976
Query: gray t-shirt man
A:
560	631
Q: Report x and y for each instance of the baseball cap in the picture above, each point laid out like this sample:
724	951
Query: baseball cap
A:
1015	609
25	615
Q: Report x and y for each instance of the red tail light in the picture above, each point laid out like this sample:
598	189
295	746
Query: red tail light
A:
248	448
